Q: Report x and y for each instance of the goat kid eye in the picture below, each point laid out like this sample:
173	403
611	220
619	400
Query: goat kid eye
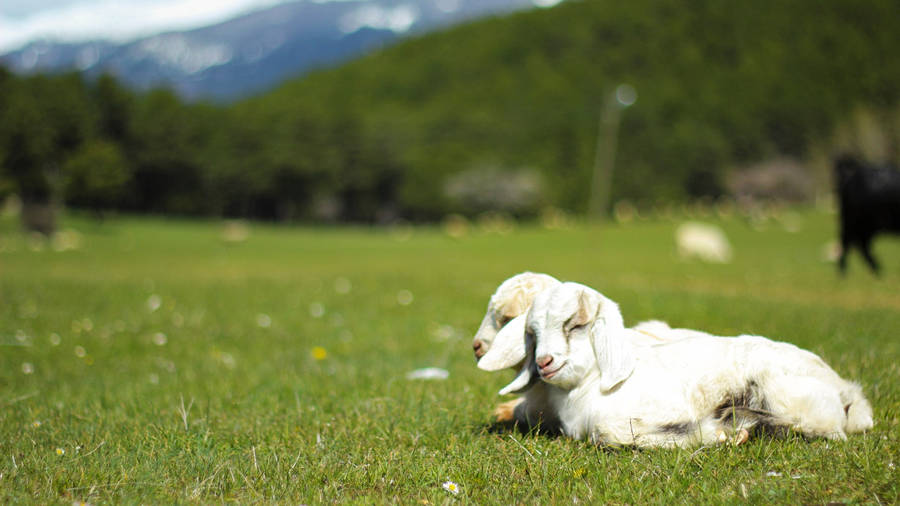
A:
502	321
575	328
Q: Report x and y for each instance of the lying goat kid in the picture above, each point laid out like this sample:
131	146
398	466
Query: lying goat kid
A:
512	299
698	390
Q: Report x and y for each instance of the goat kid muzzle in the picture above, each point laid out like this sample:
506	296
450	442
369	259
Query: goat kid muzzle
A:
547	367
478	348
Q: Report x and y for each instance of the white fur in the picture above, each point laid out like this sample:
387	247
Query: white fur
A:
702	241
661	332
604	388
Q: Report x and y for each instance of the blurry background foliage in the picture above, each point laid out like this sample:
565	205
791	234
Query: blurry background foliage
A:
748	100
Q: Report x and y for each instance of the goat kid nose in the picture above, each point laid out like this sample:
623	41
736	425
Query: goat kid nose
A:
477	345
544	361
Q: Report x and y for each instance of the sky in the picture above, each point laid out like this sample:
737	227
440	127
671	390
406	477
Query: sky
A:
22	21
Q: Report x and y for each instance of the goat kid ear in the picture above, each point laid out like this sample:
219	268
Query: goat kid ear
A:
612	349
517	303
528	375
508	348
586	311
526	378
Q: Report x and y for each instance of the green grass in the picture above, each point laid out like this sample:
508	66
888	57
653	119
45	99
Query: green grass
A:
195	401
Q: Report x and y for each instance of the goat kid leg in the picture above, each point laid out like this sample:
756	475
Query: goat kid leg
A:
812	407
857	408
505	412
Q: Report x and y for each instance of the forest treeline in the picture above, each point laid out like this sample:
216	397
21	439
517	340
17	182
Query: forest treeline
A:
500	114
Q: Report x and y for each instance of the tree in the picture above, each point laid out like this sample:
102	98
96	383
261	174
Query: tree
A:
166	154
115	109
96	176
44	120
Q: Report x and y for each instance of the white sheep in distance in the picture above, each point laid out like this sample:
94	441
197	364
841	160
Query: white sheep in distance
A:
698	390
702	241
507	308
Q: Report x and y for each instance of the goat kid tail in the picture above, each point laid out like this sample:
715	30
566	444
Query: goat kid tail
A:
858	409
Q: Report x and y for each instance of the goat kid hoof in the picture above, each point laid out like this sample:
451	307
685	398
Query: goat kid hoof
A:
741	437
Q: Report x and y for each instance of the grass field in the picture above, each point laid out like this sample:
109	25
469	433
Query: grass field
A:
159	363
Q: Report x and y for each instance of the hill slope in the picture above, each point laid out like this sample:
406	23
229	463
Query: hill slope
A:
718	84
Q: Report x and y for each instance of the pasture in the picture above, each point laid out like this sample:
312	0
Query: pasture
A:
159	363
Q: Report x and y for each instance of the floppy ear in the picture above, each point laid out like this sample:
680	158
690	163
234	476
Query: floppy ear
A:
585	312
528	374
508	348
517	304
613	351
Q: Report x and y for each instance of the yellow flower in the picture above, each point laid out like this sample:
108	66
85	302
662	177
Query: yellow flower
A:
319	353
60	451
451	487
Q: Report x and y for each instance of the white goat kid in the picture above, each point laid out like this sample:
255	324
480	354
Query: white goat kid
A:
534	408
512	299
698	390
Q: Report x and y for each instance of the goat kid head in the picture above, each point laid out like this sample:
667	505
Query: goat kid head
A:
571	332
512	298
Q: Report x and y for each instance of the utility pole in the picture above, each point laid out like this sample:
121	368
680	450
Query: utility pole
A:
605	155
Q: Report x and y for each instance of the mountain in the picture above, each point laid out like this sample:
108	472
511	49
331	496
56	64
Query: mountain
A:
255	51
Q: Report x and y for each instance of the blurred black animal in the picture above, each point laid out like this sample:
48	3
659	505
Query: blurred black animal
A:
869	197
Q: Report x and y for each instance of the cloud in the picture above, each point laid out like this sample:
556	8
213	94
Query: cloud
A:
545	3
398	19
118	20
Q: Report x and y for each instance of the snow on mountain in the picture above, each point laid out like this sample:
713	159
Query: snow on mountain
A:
255	51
